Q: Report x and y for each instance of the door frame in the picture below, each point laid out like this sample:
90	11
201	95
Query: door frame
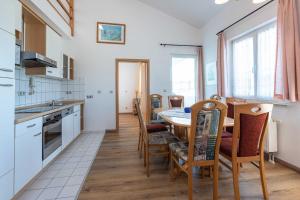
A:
127	60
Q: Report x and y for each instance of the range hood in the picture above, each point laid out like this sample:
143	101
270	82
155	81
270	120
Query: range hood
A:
33	60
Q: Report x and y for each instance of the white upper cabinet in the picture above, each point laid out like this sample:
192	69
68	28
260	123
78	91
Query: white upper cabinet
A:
54	50
7	55
18	16
7	15
7	108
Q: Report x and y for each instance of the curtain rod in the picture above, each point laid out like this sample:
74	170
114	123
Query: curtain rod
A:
245	17
180	45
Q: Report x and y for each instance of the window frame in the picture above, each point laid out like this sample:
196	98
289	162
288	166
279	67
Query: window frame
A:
251	34
194	56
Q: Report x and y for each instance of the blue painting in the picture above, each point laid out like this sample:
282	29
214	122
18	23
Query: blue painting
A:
111	33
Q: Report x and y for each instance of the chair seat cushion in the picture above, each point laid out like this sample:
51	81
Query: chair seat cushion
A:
162	138
180	149
226	134
152	128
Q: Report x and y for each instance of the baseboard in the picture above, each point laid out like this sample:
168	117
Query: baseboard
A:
288	165
110	130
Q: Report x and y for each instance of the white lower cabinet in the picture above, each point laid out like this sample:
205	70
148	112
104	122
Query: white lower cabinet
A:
6	185
67	130
28	152
76	124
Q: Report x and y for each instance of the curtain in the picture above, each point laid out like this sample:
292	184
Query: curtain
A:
287	74
221	54
201	86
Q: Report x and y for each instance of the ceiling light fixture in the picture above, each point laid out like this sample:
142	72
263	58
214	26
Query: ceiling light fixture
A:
225	1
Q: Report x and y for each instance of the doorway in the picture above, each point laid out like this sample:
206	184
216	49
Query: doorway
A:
132	81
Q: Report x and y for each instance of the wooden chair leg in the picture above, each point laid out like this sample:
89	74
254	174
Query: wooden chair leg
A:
145	155
147	162
190	182
235	180
139	141
216	181
263	178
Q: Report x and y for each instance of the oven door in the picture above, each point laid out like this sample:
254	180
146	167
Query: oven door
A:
52	137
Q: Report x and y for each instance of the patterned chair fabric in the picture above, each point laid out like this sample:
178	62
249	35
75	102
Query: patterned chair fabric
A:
205	138
176	103
161	138
155	103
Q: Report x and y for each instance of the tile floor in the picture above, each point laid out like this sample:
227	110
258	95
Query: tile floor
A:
63	179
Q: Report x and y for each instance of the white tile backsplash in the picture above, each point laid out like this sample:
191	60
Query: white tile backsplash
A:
45	89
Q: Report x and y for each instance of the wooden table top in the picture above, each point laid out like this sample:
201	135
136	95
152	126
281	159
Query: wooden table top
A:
185	121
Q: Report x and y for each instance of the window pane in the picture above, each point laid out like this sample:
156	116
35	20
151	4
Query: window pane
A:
243	68
266	51
183	78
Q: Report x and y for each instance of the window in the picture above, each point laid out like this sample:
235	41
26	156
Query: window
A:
184	78
253	63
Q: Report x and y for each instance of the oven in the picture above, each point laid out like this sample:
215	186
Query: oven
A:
52	133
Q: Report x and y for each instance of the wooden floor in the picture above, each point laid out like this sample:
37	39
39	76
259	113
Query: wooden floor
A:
118	173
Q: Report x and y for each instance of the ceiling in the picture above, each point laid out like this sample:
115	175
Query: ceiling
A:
194	12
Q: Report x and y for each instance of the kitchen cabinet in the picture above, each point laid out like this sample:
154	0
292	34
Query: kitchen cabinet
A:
28	151
7	109
54	50
7	55
67	130
76	116
6	186
18	16
7	15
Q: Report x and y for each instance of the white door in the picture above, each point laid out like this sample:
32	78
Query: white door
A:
7	55
76	124
7	117
67	130
28	152
7	15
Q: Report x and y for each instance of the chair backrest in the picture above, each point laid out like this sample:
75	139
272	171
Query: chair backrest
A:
215	97
155	102
138	110
249	130
176	101
141	121
206	130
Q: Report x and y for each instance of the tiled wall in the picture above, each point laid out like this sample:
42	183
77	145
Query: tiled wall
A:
45	90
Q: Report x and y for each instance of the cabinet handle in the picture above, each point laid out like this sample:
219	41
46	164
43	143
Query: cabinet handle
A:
6	85
50	72
75	115
37	134
31	126
6	70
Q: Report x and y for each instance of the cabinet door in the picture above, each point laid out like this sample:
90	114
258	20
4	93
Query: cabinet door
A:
7	55
7	186
28	152
7	117
54	50
7	15
18	16
67	130
76	124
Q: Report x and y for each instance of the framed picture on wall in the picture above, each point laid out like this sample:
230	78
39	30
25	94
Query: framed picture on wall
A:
111	33
211	74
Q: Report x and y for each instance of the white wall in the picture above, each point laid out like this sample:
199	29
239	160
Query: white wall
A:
289	130
129	81
146	29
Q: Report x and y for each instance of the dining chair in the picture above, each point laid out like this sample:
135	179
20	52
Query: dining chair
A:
176	101
247	142
155	102
154	144
202	148
151	128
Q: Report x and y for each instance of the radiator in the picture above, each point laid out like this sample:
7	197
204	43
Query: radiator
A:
271	146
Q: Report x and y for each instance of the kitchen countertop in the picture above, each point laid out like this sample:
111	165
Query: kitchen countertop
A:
23	117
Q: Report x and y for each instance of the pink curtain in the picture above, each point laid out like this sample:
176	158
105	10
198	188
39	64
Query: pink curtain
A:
221	64
201	87
287	77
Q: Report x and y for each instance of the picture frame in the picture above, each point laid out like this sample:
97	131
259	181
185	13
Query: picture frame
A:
111	33
211	73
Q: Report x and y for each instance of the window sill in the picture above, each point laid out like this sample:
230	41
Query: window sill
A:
269	101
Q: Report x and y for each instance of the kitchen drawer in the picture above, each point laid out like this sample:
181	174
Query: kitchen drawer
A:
29	127
77	108
7	55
